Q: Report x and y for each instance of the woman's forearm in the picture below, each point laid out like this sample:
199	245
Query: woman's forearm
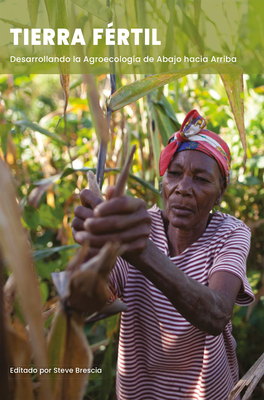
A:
207	309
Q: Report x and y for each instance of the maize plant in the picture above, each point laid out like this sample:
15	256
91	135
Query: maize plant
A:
83	289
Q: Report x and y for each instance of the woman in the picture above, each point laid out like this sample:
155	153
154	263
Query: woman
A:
182	273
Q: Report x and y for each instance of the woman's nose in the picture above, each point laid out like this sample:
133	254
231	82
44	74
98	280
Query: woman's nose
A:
184	186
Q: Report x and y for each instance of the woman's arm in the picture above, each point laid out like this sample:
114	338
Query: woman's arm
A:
126	220
207	308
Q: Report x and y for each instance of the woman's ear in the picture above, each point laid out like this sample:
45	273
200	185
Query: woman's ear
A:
221	192
217	201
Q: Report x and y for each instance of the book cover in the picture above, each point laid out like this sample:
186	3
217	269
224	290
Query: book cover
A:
81	82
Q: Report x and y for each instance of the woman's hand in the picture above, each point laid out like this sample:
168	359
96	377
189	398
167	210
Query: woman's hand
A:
122	219
89	202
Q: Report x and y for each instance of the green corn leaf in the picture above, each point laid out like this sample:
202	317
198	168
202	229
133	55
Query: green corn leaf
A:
167	109
45	269
166	128
16	24
107	368
112	325
197	11
4	130
69	171
57	13
234	89
33	6
134	91
142	182
41	254
52	179
190	29
96	8
154	134
35	127
129	93
51	11
169	33
61	21
231	76
76	83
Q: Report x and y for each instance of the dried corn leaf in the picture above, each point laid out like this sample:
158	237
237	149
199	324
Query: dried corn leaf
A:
65	83
78	258
36	194
250	379
19	356
17	253
9	294
88	288
93	185
48	313
89	291
68	348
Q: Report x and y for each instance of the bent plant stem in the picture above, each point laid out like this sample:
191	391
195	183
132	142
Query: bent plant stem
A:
99	119
103	146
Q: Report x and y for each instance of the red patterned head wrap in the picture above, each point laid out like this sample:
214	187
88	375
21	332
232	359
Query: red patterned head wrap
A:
194	136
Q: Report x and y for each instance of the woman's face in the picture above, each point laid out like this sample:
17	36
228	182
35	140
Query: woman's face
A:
191	187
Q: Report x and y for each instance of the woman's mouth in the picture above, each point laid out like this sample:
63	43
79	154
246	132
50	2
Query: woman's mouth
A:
181	210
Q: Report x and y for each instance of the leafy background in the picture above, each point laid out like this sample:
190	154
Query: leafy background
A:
42	160
198	28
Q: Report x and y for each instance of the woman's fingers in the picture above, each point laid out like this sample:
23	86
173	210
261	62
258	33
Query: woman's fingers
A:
121	219
119	205
81	237
128	236
81	213
93	251
77	224
116	223
89	199
109	192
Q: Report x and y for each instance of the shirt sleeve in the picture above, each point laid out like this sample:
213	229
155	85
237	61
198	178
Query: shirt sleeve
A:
231	256
118	278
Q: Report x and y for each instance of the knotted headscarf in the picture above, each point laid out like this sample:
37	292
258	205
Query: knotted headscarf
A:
194	136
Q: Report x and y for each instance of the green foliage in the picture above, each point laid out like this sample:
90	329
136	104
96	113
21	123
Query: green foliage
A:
107	382
96	8
37	128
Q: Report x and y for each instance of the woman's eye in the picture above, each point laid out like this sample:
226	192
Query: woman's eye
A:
175	173
201	179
